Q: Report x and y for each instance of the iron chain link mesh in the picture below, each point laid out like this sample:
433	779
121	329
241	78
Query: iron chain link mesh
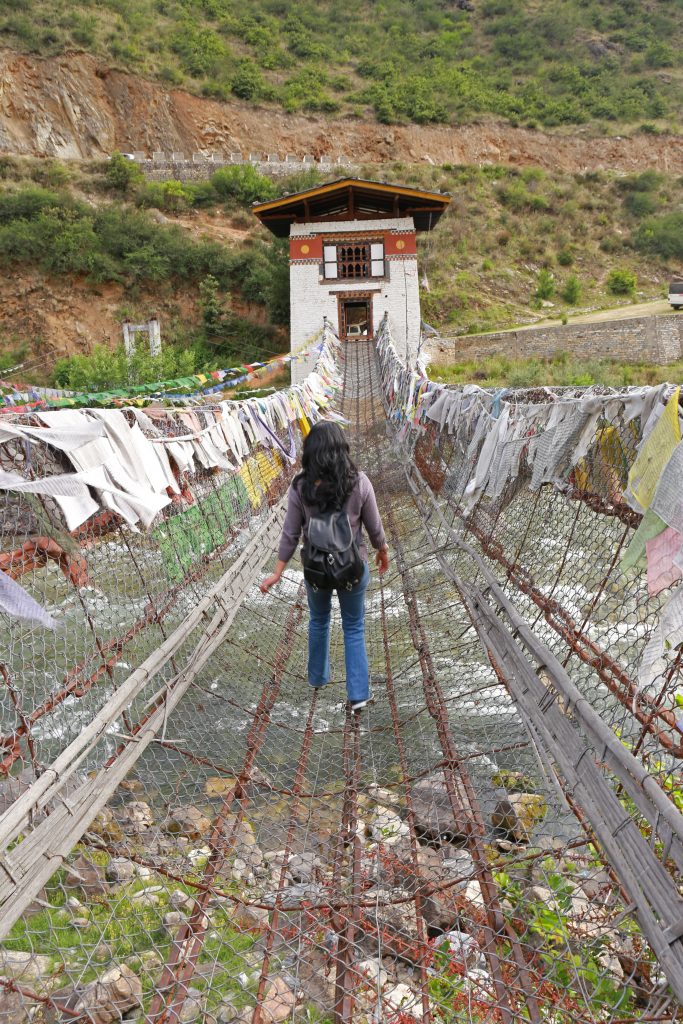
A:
497	838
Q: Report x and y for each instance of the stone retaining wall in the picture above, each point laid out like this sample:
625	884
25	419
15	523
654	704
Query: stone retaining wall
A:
162	166
650	339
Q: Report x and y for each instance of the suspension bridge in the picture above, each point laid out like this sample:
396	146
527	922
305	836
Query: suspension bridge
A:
189	832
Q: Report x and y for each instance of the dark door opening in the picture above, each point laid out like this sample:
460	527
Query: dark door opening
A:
355	319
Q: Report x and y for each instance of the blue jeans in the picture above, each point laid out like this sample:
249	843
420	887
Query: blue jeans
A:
352	607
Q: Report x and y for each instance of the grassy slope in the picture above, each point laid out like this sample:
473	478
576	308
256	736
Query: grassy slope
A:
506	233
553	63
507	229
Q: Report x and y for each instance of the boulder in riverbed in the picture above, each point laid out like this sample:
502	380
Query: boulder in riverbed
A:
518	814
440	809
188	822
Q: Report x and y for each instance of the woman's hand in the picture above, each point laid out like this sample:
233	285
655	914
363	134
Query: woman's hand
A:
268	582
382	559
274	577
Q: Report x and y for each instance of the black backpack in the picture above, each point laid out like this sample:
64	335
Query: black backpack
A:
330	554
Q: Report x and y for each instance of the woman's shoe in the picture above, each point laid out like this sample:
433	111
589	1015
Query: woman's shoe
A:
358	705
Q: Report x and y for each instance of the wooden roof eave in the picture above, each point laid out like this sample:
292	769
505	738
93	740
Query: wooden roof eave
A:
357	186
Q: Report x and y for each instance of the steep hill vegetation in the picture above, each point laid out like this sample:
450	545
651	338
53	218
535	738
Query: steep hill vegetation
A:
562	62
84	248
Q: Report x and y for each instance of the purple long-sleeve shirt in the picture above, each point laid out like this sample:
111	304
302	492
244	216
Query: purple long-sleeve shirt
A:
361	509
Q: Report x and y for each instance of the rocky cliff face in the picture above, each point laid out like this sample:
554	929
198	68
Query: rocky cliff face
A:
73	107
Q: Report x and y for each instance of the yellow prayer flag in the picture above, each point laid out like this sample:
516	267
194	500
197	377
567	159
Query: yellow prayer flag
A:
266	470
249	475
645	472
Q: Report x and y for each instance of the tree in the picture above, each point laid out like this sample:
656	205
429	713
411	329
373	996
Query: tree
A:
545	285
571	293
122	173
216	312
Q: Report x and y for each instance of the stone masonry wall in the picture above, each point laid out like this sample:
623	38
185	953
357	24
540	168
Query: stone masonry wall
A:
650	339
199	169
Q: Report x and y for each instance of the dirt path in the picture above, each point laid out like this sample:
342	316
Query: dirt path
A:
653	307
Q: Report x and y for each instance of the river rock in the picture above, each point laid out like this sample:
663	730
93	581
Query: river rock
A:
243	838
302	866
14	1008
518	814
279	1002
132	786
381	795
21	966
385	826
149	897
218	786
188	822
226	1012
401	999
473	894
513	782
293	896
173	921
250	917
463	949
106	826
436	820
106	999
447	877
136	816
372	972
398	921
180	900
193	1007
87	876
480	983
120	871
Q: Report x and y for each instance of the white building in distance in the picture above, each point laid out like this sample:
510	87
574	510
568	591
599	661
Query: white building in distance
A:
353	258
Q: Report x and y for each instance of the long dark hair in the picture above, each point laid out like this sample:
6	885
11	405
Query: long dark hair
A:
328	474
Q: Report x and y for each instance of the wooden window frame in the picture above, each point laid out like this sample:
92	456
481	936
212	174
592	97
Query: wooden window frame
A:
354	260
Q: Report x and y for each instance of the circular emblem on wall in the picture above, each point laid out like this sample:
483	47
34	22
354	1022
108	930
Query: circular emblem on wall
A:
305	249
400	244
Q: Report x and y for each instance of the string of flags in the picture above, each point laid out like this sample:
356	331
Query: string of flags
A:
181	390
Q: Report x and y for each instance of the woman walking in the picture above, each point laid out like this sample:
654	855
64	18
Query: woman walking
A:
330	482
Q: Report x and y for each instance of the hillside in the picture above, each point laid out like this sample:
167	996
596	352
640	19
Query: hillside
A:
563	62
76	107
84	247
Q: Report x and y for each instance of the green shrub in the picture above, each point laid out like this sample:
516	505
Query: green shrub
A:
247	82
621	282
662	236
429	61
242	184
565	257
104	369
545	285
641	204
121	174
571	292
201	50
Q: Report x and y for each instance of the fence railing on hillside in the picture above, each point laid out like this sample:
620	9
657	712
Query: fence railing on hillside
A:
198	165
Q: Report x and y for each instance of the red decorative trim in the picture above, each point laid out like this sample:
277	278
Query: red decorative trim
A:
307	248
400	244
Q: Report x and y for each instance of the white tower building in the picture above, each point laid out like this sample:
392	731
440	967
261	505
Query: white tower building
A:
353	258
